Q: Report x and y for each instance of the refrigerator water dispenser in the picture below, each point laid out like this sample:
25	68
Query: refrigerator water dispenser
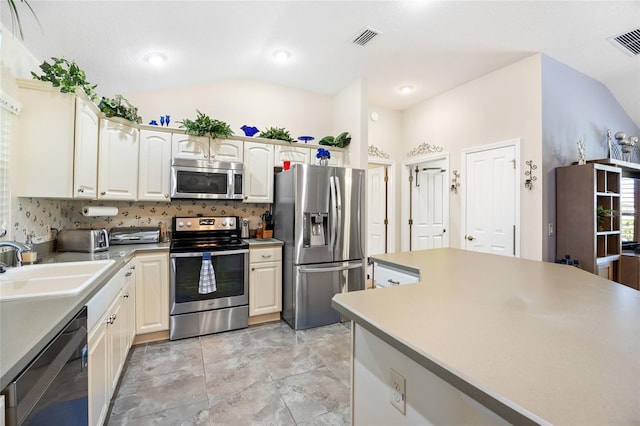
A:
315	229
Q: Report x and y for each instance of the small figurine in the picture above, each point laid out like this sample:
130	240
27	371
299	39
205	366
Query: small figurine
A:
581	159
249	130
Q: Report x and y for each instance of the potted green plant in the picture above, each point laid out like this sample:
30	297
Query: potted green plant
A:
66	75
119	106
340	141
276	133
601	214
204	125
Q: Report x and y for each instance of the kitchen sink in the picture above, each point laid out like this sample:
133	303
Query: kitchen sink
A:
52	279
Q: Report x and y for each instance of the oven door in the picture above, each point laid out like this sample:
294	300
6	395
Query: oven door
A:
192	182
231	270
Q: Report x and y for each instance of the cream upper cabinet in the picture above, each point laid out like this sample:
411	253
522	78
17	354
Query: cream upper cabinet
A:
152	292
293	154
337	158
227	150
258	172
85	164
154	170
118	166
51	130
265	280
189	147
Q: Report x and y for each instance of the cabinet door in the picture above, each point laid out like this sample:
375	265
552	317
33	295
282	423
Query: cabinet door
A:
118	171
85	163
98	359
227	150
44	141
154	166
337	158
189	147
152	293
116	342
129	304
258	174
265	288
293	154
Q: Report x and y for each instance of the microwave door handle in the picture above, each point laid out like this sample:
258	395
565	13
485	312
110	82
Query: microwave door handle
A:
230	184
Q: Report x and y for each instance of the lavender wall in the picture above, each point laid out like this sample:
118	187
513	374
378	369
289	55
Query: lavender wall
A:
574	106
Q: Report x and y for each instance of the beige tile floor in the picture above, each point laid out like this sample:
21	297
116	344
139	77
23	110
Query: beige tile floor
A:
263	375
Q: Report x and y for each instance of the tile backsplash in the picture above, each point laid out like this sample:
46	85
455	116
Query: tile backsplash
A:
37	216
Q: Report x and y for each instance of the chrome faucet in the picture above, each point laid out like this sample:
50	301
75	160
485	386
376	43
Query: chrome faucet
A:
19	247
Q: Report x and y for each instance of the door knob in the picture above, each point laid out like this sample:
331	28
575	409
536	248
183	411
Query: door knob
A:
470	238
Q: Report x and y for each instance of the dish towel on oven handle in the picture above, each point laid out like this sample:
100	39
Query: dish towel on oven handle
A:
207	282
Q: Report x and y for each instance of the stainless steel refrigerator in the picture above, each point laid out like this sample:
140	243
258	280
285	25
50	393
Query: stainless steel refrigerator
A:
319	213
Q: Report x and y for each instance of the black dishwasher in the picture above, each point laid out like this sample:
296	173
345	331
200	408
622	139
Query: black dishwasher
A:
53	389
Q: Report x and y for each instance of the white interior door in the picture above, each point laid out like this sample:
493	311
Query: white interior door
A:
376	212
490	200
430	211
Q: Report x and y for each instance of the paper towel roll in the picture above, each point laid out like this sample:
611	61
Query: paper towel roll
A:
99	211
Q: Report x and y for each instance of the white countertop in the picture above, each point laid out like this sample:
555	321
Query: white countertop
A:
27	325
548	342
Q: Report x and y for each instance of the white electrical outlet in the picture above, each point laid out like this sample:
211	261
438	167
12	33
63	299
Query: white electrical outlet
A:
398	395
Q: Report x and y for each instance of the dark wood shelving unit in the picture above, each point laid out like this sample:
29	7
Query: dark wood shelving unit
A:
580	190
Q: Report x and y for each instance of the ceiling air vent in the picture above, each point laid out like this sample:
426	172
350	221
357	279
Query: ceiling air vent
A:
628	42
365	36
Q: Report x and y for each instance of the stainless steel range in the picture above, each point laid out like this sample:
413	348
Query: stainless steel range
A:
209	276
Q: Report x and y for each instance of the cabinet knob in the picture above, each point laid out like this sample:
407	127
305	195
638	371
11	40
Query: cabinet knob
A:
246	198
166	195
126	296
103	193
470	238
128	274
206	156
253	269
133	267
80	189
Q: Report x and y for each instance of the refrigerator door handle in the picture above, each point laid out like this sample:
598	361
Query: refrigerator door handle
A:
304	269
332	214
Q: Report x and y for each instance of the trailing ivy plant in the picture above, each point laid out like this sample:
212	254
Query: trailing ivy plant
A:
119	106
340	141
204	125
276	133
66	75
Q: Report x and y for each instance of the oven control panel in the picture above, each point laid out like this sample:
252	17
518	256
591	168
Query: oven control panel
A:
210	223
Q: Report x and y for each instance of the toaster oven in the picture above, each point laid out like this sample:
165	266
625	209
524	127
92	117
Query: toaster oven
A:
82	240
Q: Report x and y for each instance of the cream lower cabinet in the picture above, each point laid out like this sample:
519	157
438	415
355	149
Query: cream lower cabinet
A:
152	292
265	280
258	173
154	166
118	161
110	336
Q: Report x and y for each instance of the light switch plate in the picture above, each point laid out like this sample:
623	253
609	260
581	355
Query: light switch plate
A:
398	391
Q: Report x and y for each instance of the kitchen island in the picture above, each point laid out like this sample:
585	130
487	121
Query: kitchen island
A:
487	339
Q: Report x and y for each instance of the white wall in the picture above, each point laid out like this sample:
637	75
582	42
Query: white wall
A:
386	135
350	115
240	102
503	105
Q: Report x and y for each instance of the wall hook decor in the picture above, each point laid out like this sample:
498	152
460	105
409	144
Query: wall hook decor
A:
454	182
528	183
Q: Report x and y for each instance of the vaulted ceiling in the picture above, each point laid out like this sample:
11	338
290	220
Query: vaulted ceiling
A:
430	45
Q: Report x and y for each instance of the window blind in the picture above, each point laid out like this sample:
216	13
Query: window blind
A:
9	109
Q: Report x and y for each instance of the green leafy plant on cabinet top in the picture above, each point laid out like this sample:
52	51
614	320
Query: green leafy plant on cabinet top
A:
204	125
66	75
340	141
119	106
276	133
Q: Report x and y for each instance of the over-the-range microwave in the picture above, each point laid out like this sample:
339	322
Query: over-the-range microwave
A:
203	179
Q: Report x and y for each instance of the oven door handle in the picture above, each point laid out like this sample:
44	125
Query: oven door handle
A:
213	253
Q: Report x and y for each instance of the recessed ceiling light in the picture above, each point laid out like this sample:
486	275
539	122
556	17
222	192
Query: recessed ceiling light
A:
405	90
282	55
156	58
